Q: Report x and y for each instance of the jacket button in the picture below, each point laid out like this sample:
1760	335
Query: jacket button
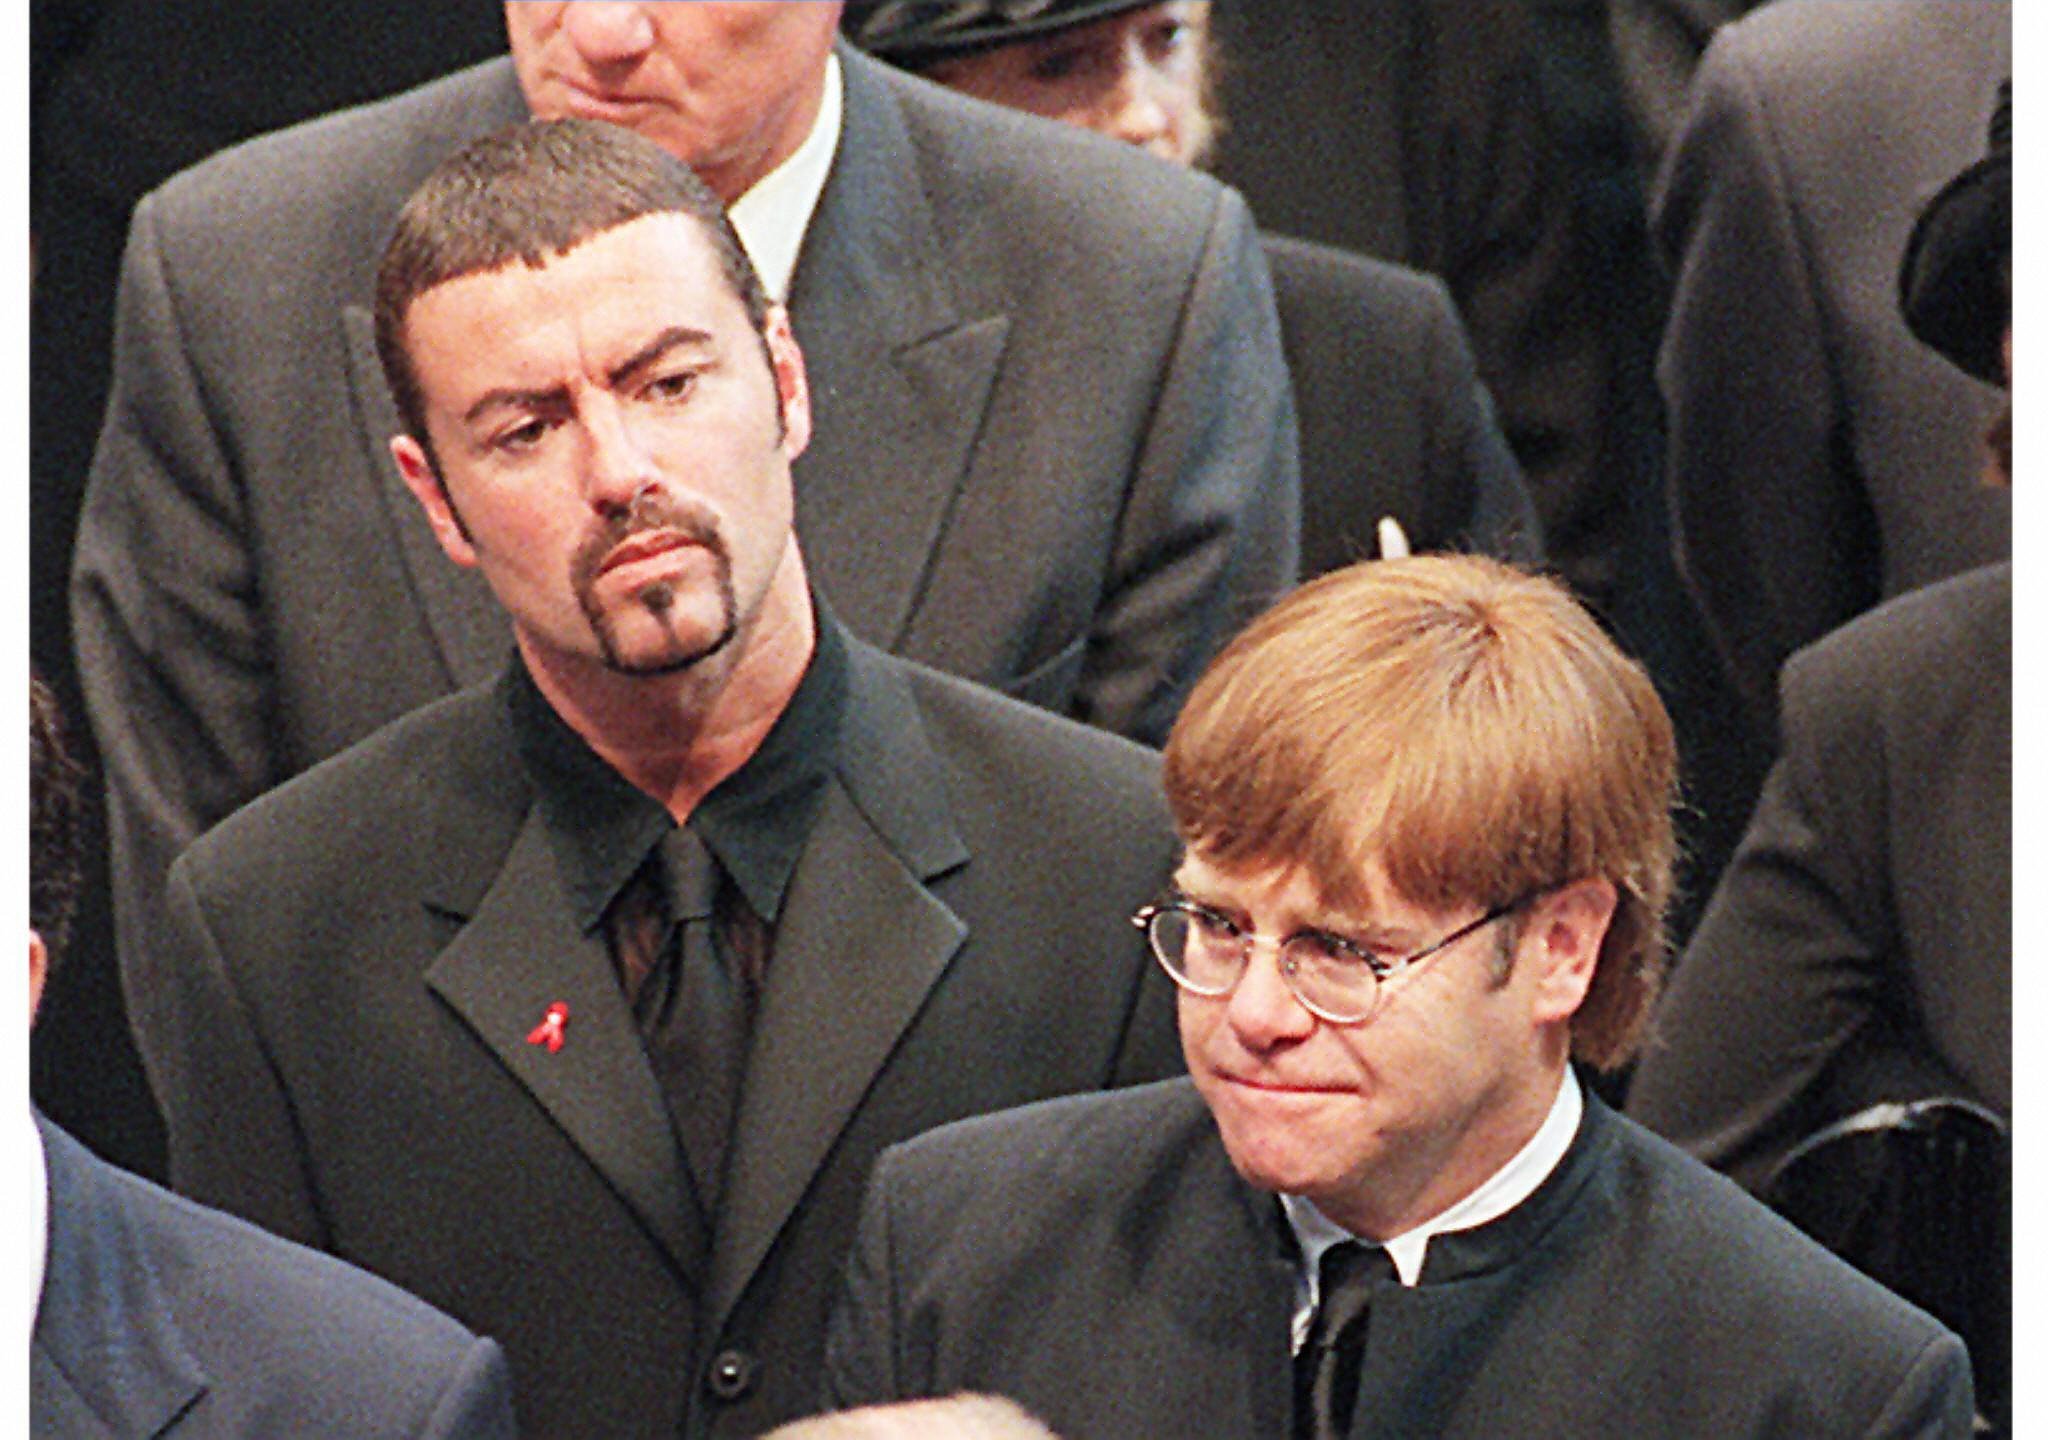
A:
732	1374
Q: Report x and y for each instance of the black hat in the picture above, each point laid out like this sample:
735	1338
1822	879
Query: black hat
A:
1953	284
914	33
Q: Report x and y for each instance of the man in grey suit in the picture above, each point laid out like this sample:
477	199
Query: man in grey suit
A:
1427	810
580	1002
1055	449
1820	460
1394	424
151	1318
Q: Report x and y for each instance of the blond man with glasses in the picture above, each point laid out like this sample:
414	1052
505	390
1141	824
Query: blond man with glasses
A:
1425	807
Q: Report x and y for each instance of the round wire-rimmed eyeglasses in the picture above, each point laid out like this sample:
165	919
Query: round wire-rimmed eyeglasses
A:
1335	979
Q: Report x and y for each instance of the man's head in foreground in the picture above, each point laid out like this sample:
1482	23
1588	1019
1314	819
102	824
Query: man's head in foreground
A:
55	816
729	89
1136	72
1437	800
600	407
957	1417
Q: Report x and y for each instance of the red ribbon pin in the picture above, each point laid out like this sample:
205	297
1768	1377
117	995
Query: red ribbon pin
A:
549	1031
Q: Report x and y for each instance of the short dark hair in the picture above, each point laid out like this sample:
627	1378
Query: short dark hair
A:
56	819
530	193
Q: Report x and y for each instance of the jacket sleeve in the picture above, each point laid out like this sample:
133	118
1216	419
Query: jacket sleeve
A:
861	1344
477	1405
1774	531
232	1137
171	650
1209	534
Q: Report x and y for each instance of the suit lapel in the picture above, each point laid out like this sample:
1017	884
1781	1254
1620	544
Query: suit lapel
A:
900	370
521	953
107	1357
837	1001
468	628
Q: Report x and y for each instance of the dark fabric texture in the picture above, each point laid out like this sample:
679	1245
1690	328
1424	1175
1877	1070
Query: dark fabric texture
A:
337	1027
1065	469
1416	131
1098	1260
1393	419
1820	458
1860	946
159	1318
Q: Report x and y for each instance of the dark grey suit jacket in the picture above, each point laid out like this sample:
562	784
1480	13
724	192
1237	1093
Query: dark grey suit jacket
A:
1820	458
160	1318
336	1027
1054	449
1098	1260
1867	917
1394	421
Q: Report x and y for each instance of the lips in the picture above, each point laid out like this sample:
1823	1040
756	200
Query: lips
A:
1273	1085
644	546
591	104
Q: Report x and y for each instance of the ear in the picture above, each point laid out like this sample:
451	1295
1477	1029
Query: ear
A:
792	386
38	973
424	481
1561	944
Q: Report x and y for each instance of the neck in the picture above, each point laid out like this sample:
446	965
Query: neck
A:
1435	1180
677	736
733	178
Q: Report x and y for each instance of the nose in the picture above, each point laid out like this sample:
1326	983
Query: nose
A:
607	34
1136	109
1263	1010
618	467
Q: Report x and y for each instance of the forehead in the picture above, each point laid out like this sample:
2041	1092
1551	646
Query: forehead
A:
1287	891
640	277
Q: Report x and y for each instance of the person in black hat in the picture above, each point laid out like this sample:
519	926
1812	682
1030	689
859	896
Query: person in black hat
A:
1394	423
1859	947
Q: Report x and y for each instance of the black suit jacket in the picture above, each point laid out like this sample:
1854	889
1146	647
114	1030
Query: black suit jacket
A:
1054	449
1098	1260
1416	131
1866	921
1393	419
1820	458
336	1029
160	1318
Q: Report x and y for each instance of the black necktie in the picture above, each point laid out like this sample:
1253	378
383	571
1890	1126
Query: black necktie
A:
691	952
1326	1370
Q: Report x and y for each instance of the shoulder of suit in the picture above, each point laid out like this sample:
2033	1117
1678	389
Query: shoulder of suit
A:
1812	48
314	170
1018	162
1110	1132
979	726
450	767
1915	646
233	1278
1745	1258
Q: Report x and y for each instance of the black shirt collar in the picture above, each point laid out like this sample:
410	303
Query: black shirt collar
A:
756	822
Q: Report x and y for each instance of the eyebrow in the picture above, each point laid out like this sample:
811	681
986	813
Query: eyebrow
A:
671	338
1339	923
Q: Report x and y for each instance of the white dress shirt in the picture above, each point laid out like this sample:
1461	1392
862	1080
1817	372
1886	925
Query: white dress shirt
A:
21	1150
771	218
1499	1193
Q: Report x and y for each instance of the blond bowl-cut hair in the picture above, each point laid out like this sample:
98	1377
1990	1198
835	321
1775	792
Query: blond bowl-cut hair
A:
1466	724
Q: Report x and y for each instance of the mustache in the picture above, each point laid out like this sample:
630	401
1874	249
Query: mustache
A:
650	511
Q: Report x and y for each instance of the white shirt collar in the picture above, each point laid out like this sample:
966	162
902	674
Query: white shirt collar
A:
771	217
21	1151
1499	1193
